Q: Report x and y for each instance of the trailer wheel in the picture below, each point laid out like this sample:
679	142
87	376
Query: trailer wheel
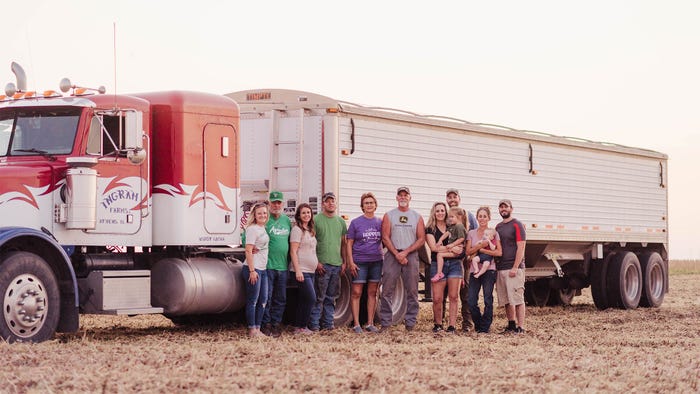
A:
599	280
343	310
31	300
624	281
561	296
653	279
399	304
537	292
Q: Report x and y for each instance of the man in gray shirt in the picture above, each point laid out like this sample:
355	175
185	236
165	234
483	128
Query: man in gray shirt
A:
403	232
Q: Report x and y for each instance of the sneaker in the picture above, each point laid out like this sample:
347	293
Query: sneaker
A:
329	328
451	330
372	329
357	330
437	277
409	328
437	328
302	331
313	329
519	330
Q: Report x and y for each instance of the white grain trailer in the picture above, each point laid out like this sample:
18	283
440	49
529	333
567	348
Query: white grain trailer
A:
595	213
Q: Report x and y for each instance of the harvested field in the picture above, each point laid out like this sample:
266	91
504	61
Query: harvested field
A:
575	348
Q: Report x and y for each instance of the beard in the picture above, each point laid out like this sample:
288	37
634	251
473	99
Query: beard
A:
505	215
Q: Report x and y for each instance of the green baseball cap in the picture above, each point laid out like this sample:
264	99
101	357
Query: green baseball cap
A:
276	196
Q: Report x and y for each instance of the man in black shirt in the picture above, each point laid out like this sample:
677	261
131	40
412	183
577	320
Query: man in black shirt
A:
510	281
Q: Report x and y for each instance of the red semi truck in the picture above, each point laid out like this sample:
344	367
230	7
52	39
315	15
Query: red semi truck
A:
154	173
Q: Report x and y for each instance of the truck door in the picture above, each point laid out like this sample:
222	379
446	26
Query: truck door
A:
220	156
122	187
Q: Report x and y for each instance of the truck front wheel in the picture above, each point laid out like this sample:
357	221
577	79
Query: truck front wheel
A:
31	300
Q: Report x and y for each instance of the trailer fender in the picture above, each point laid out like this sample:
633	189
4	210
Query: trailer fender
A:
44	245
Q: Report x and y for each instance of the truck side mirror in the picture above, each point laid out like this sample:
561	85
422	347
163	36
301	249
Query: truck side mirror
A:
133	133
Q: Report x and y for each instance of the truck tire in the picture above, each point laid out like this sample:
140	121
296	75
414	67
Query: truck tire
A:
599	280
31	300
653	280
624	281
537	292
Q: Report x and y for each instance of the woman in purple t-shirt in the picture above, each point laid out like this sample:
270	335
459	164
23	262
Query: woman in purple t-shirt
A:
477	244
364	254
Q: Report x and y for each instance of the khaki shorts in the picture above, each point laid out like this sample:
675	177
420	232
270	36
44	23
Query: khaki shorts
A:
510	290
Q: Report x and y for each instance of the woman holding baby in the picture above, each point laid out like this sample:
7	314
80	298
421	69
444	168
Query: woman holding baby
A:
483	244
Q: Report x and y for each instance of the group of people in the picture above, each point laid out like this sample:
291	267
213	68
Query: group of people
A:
373	250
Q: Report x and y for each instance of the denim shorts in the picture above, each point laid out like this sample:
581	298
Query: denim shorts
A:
451	269
368	272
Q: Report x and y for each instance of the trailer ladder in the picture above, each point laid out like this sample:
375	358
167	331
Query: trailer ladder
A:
275	157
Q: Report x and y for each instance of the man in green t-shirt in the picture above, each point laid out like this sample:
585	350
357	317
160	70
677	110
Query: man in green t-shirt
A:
278	228
330	249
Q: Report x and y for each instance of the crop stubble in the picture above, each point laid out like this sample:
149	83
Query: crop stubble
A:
575	348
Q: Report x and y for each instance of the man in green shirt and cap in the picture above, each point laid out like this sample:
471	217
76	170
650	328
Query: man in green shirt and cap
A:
330	248
278	228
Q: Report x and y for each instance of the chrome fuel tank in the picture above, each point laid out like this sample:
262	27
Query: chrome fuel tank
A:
197	286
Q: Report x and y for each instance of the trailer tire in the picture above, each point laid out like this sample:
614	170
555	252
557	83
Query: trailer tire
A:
624	281
561	296
343	310
31	300
399	303
537	292
599	280
653	280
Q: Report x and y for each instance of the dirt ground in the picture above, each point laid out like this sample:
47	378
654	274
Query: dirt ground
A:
566	349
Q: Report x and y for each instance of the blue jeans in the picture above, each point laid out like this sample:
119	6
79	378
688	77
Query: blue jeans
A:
482	322
327	290
276	296
255	297
306	300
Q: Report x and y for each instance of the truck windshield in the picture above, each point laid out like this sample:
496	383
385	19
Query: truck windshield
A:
38	131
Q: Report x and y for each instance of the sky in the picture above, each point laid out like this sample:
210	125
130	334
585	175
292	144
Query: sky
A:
626	72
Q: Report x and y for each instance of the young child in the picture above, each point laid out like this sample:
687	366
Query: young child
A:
483	258
457	233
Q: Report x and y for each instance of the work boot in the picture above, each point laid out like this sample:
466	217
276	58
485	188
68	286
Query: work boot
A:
276	331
